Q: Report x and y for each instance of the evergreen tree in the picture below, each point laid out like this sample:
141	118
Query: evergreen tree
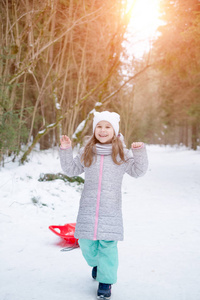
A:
178	48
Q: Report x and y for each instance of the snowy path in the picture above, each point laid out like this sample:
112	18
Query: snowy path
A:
159	258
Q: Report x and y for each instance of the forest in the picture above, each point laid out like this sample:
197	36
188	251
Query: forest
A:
62	59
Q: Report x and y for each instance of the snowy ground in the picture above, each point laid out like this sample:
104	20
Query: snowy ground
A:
159	258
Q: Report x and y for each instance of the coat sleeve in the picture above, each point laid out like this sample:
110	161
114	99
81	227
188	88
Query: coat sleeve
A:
70	166
137	163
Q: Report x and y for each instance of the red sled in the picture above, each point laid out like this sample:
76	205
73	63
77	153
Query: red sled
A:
66	232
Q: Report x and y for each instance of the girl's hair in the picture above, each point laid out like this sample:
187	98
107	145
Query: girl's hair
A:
117	148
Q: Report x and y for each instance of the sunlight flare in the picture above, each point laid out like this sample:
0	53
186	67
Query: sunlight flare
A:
145	15
143	24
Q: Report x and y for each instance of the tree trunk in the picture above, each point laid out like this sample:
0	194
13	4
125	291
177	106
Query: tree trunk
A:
194	136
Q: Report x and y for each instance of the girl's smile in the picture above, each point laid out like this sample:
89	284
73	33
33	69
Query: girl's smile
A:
104	132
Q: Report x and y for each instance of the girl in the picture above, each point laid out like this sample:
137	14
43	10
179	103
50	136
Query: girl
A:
99	224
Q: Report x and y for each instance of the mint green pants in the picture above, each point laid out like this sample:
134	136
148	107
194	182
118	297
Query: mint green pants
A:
104	255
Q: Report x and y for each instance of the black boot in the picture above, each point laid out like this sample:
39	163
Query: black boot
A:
94	272
104	291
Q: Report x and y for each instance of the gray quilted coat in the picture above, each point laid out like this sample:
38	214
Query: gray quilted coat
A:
100	208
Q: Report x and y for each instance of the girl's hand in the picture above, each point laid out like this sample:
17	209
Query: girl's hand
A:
136	145
65	141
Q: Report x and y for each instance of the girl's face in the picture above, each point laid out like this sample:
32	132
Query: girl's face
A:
104	132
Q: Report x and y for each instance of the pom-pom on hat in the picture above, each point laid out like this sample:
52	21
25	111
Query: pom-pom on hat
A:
111	117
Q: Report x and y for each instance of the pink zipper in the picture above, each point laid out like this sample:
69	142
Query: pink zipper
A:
98	197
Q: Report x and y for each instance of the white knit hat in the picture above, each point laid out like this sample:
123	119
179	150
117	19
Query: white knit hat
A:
111	117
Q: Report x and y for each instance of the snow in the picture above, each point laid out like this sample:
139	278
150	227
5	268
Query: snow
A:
83	123
79	129
158	260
